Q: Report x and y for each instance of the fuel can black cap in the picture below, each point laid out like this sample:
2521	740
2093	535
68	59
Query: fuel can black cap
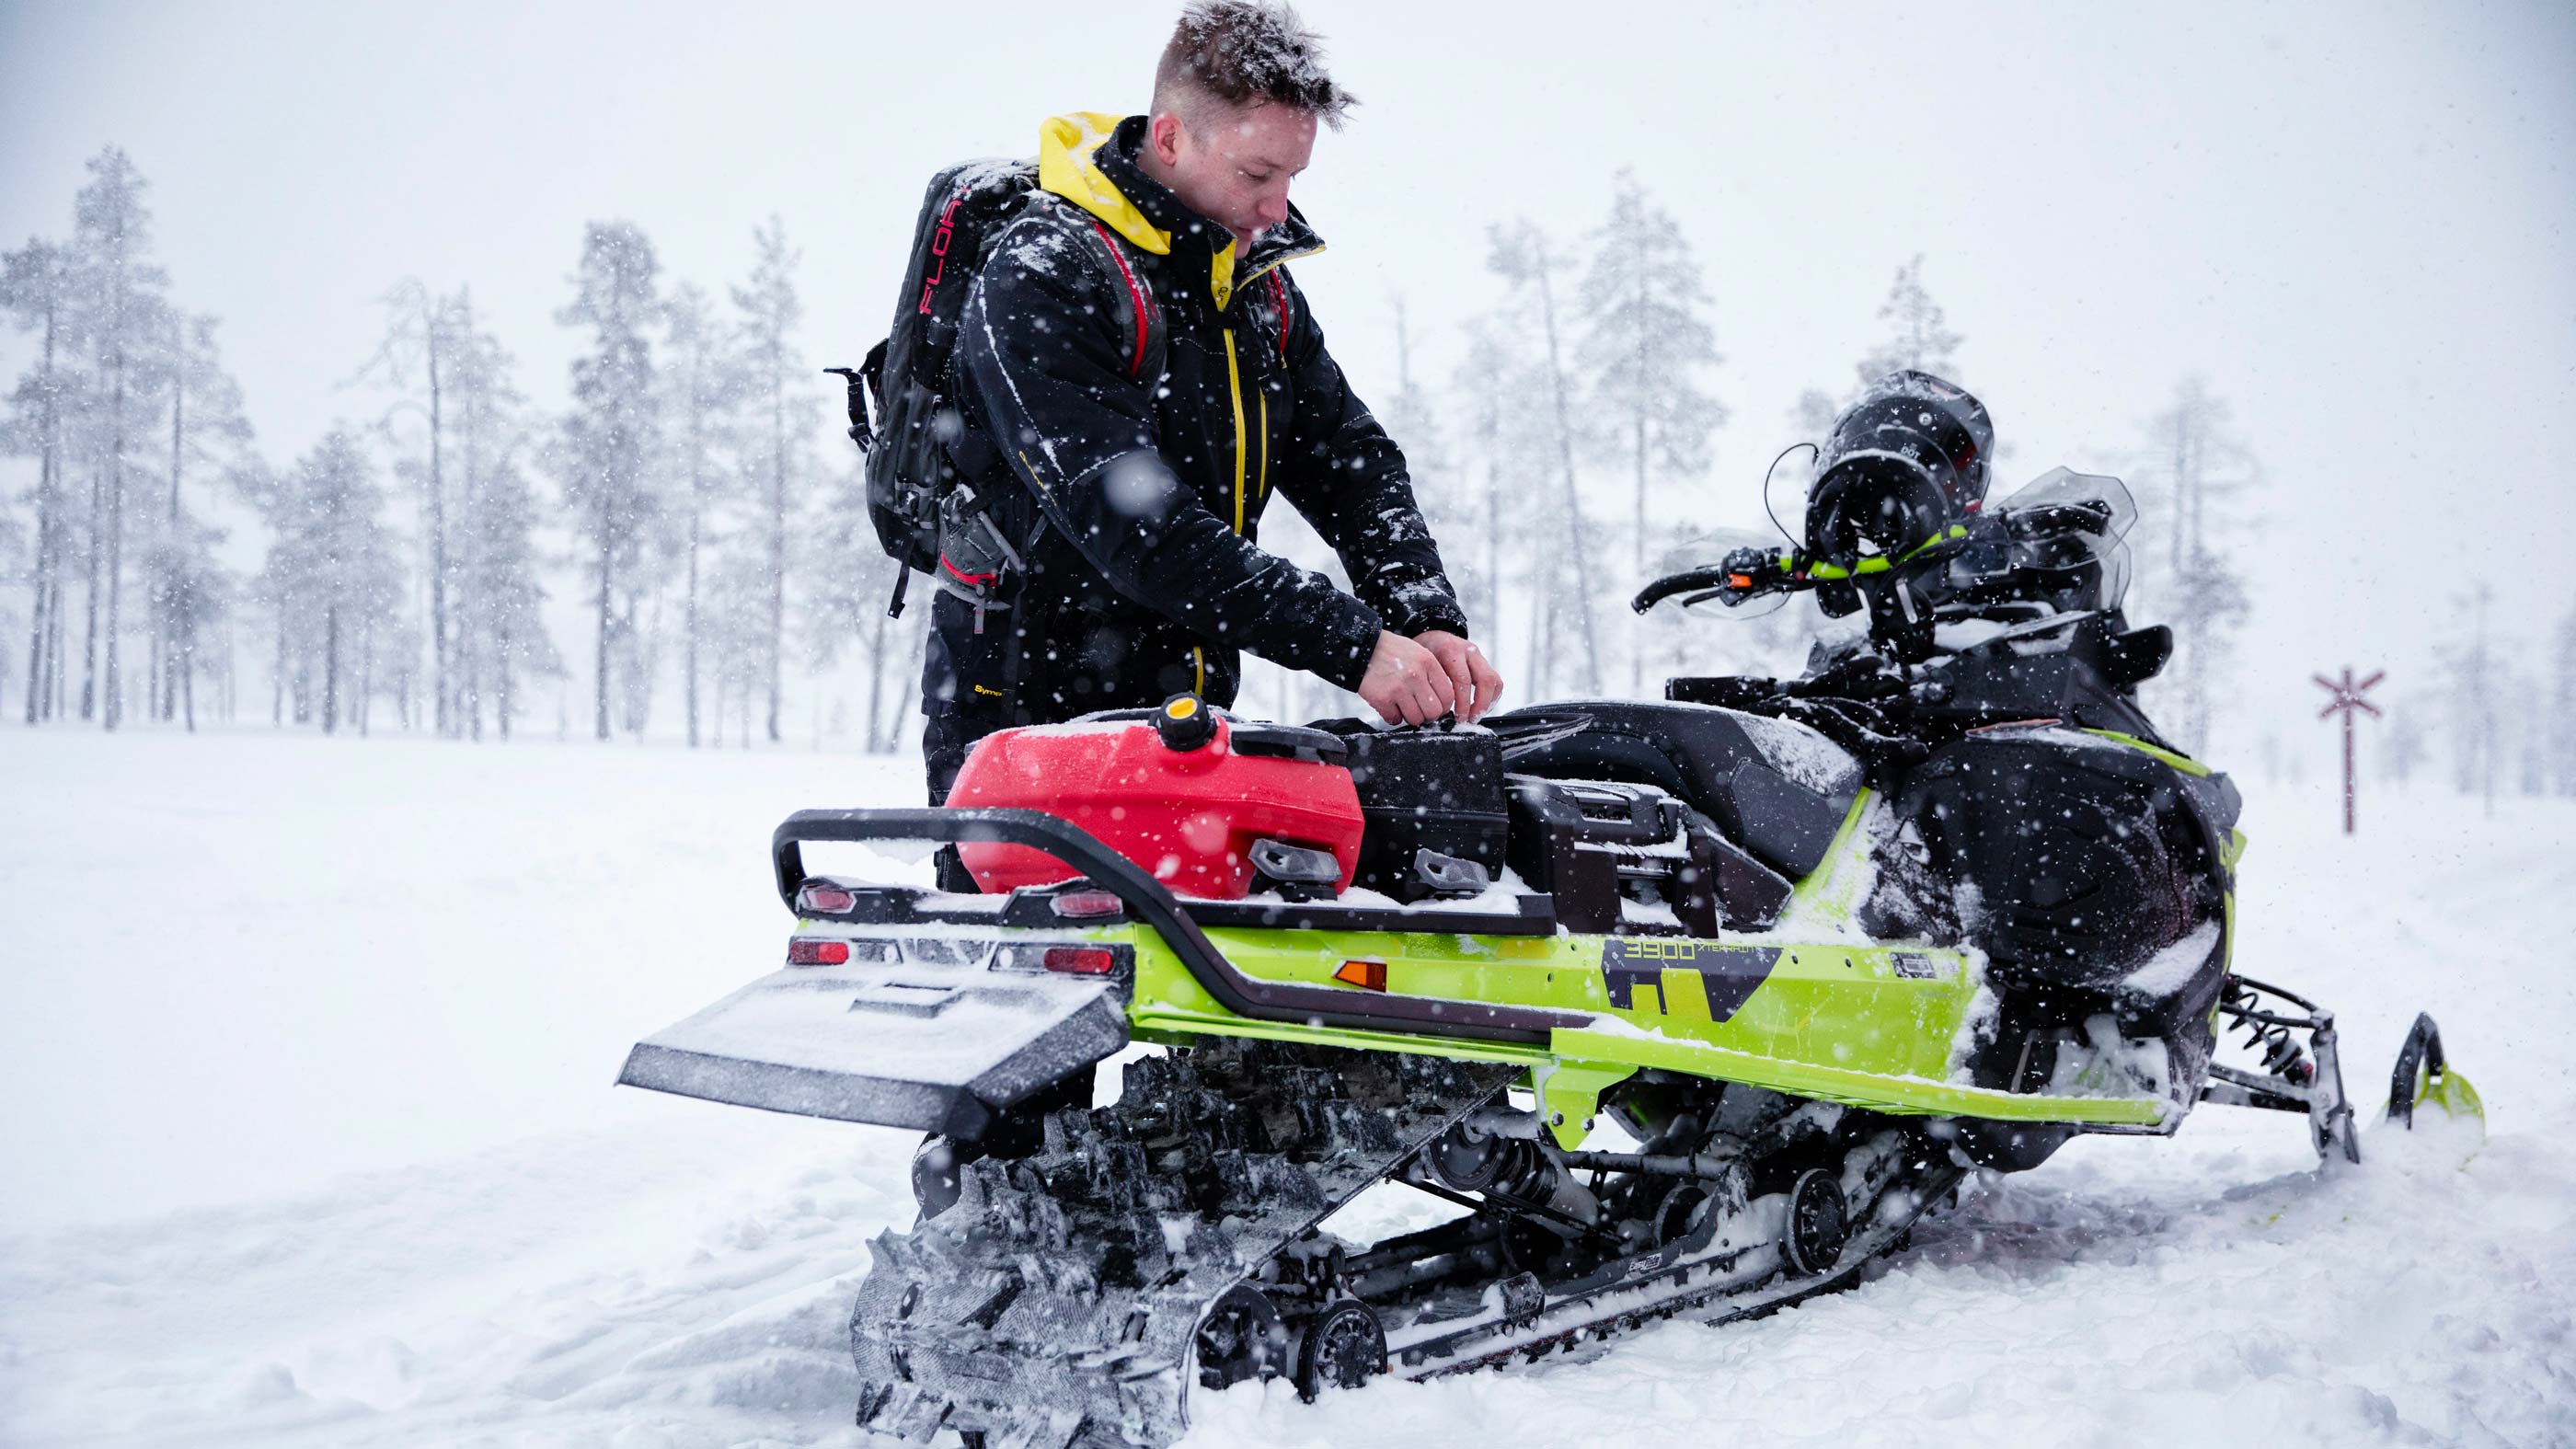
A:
1185	722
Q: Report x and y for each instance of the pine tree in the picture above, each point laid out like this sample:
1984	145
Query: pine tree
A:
120	291
330	580
207	427
1919	339
2202	475
1646	337
779	381
704	378
416	358
36	292
1522	256
603	460
500	635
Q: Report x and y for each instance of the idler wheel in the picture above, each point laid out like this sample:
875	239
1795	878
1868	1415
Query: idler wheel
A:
1345	1348
1241	1338
1817	1227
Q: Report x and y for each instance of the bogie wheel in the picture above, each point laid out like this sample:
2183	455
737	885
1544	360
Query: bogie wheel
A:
1345	1348
1817	1227
935	1166
1241	1338
1678	1213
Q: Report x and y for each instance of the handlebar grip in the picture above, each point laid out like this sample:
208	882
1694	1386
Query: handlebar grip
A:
1687	581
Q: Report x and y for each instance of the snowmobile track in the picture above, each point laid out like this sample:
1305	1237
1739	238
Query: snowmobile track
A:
1057	1300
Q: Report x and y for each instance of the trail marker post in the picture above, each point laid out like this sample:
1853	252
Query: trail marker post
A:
2347	700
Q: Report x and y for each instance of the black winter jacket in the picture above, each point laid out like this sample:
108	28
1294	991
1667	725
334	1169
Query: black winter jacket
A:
1130	467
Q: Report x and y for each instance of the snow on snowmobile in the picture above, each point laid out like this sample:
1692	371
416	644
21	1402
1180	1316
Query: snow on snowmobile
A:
1814	948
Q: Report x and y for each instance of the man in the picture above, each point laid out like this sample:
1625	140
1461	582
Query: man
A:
1138	374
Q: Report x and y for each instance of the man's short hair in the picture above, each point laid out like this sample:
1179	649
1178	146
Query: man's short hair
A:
1245	53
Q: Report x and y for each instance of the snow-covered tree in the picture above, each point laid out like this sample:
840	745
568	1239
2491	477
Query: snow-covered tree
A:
416	359
1523	256
780	387
36	294
189	584
604	457
703	380
499	631
2197	480
331	583
1646	340
1919	338
119	291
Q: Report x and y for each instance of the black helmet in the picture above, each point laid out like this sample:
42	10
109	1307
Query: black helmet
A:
1905	462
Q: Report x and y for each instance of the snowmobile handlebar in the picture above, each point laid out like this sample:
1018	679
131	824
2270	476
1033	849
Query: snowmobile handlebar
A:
1744	575
1158	908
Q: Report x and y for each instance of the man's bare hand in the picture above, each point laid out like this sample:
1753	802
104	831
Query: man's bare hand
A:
1474	685
1406	683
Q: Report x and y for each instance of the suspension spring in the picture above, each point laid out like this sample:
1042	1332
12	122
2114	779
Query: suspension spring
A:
2268	1035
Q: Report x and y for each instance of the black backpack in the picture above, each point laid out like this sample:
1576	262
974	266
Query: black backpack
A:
910	450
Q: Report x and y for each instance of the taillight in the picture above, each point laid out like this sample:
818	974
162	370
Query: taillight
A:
804	951
1082	905
1080	960
818	899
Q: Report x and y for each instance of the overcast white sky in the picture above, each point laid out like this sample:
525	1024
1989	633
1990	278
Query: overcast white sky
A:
2355	220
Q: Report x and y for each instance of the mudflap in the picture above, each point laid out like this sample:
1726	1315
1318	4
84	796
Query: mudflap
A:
933	1032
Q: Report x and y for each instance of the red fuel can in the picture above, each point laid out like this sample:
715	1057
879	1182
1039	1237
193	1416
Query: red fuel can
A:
1188	812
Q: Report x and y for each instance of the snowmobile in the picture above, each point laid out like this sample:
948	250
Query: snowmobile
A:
1684	1008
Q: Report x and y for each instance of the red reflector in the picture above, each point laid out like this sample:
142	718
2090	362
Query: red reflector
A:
1080	960
802	952
826	900
1078	904
1368	975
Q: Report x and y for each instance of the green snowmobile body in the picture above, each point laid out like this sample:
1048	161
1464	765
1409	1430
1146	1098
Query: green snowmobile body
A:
942	1013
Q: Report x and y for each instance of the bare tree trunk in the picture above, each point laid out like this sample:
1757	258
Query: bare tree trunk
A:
1637	656
607	580
89	595
176	562
433	331
330	667
501	666
37	666
876	679
777	543
114	704
697	509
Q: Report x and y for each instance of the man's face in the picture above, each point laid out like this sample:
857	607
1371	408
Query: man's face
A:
1235	166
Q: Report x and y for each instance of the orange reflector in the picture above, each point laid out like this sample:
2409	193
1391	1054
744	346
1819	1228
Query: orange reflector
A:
1368	975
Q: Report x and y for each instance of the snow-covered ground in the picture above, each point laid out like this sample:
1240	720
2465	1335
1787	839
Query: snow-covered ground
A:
308	1140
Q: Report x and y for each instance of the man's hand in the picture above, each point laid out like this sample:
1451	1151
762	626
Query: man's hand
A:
1415	681
1474	685
1406	683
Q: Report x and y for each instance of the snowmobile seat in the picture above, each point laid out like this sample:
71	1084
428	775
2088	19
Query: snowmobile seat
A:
1775	787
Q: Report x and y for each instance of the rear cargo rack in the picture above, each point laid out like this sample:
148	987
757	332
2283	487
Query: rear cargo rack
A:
1180	926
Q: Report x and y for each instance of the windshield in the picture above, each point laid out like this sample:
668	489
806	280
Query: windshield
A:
2068	529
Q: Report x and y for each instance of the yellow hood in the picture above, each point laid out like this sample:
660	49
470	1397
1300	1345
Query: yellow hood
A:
1065	167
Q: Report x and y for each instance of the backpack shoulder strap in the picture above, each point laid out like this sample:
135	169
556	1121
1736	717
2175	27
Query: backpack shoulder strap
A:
1144	322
